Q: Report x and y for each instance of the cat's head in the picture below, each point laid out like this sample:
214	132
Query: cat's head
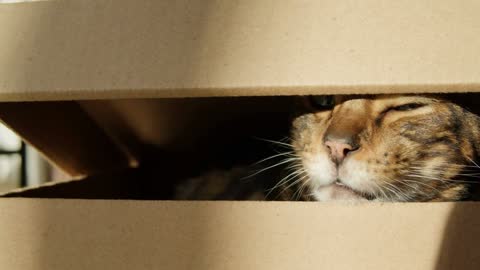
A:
386	148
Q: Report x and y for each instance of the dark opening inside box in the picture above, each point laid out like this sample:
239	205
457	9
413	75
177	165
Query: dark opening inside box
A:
140	148
146	148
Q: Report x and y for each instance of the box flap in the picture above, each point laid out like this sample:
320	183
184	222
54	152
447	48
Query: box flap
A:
66	135
122	184
90	137
96	234
121	48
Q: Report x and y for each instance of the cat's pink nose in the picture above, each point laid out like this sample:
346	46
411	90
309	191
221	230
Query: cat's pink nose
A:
338	149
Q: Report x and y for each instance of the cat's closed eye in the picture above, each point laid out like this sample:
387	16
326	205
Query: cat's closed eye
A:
406	107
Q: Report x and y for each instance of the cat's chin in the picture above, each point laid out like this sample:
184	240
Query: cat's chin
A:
334	192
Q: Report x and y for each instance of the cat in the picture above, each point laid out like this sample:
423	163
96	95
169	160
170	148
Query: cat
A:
386	148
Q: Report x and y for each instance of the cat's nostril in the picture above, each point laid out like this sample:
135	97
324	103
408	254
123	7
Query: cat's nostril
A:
339	149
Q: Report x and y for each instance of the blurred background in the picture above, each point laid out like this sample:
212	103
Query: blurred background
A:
12	153
21	165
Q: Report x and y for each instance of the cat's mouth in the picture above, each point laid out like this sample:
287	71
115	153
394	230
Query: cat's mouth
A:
341	189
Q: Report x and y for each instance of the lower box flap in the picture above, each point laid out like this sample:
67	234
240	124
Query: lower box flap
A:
99	234
124	184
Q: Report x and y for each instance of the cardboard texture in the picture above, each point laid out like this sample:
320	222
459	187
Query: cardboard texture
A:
87	233
96	234
75	51
122	49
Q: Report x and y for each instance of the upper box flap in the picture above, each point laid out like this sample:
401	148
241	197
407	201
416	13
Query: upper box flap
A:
118	48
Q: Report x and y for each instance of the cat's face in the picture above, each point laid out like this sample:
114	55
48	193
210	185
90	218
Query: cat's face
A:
386	148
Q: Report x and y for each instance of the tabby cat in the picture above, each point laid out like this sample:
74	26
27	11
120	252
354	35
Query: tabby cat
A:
387	148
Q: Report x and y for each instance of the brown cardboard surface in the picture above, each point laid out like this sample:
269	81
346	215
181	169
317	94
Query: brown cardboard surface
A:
120	48
96	234
132	234
106	49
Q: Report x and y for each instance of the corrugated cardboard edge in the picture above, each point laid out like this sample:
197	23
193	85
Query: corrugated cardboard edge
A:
19	191
94	94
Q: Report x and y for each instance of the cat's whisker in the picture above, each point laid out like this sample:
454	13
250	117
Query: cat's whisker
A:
267	168
472	161
433	170
288	178
305	187
388	188
285	180
406	183
441	179
421	183
404	196
289	153
445	165
419	170
391	191
294	183
284	144
286	138
382	191
474	175
300	190
415	188
439	172
399	193
294	165
449	164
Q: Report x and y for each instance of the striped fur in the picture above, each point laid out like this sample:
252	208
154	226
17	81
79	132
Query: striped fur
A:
410	148
407	148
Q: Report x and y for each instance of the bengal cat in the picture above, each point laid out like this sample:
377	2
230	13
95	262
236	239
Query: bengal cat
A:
387	148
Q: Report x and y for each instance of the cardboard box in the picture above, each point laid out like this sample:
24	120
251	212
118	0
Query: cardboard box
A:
96	58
